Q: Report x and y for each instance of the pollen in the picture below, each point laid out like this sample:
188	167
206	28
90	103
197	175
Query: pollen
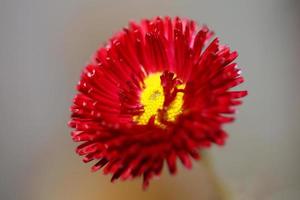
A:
176	106
152	99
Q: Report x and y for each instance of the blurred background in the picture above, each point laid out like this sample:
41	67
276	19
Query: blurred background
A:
45	44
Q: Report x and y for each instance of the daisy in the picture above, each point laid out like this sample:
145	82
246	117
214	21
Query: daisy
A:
157	92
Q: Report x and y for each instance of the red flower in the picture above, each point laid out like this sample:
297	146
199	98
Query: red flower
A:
154	93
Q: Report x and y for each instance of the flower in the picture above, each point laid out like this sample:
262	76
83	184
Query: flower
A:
156	92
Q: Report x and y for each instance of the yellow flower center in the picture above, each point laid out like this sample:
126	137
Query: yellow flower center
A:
152	98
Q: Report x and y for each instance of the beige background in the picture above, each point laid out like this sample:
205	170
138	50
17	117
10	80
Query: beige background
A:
44	45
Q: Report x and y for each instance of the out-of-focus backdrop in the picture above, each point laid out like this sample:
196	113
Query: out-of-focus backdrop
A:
45	44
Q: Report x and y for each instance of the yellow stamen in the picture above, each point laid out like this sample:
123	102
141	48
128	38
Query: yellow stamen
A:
152	98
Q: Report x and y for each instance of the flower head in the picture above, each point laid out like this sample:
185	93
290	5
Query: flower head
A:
156	92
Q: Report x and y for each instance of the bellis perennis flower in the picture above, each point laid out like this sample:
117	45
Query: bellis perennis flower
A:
157	92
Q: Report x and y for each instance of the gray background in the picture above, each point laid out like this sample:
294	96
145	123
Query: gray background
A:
44	45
